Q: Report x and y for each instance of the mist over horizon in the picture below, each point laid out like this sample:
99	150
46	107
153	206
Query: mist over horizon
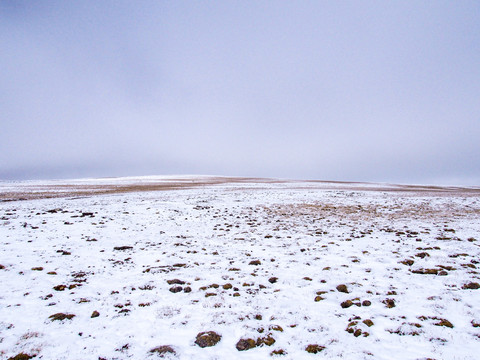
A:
371	91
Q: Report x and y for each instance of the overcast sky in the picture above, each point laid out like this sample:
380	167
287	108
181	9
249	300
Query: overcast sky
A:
332	90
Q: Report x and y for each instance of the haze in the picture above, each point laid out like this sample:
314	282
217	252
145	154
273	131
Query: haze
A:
332	90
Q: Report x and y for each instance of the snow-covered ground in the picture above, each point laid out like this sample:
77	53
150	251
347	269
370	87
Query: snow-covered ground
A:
260	261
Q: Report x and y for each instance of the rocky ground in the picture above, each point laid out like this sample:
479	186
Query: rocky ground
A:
241	269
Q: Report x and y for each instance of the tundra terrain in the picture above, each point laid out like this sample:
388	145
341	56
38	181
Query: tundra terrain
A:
238	268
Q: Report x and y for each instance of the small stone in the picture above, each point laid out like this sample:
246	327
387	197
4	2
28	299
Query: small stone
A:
61	316
121	248
471	286
346	304
314	348
276	328
443	273
366	303
319	298
175	289
187	289
175	282
245	344
22	356
357	333
444	322
161	350
268	340
342	288
38	268
278	352
95	314
227	286
368	322
207	339
273	280
390	303
255	262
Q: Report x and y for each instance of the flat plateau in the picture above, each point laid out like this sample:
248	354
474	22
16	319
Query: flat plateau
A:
137	268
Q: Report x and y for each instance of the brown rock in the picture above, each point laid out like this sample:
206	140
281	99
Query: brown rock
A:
175	289
175	282
444	322
368	322
342	288
61	316
22	356
245	344
314	348
268	340
164	349
390	303
207	339
471	286
95	314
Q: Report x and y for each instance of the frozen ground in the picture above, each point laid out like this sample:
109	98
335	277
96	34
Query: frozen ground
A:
246	259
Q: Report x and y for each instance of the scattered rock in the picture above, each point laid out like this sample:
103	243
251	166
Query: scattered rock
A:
471	286
346	304
407	262
255	262
366	303
276	328
390	303
426	271
368	322
444	322
22	356
175	289
278	352
61	316
162	350
245	344
207	339
273	280
95	314
268	340
227	286
422	255
314	348
59	287
187	289
342	288
38	268
175	281
121	248
1	268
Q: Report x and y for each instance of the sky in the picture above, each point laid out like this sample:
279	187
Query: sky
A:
381	91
